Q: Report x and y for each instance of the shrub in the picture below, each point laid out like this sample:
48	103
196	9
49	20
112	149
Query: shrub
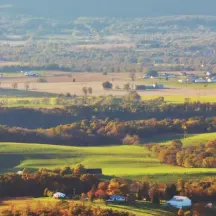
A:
42	80
132	140
107	85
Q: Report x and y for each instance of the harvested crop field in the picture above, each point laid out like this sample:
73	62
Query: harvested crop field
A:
62	82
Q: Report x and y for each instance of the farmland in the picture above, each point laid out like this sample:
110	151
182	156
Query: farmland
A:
134	162
117	94
62	83
139	209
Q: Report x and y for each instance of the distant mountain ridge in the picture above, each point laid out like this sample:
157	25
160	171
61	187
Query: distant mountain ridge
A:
70	9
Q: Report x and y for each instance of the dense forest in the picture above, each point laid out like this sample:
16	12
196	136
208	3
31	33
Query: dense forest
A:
199	156
73	183
127	111
107	132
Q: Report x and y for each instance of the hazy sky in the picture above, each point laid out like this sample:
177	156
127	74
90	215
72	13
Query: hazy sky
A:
120	8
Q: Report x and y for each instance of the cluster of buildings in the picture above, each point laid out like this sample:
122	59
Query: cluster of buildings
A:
209	78
29	73
149	87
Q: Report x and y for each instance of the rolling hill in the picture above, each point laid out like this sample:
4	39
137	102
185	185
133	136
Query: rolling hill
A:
134	162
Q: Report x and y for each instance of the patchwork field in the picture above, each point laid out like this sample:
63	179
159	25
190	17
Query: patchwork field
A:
62	82
134	162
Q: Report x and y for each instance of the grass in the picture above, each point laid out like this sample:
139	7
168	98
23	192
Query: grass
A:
175	83
30	102
139	208
178	99
134	162
192	139
22	94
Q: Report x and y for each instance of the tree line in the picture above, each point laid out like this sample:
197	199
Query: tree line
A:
77	185
199	156
46	118
106	132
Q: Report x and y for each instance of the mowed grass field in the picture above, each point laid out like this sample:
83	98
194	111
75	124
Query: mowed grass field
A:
139	208
179	99
31	99
191	140
134	162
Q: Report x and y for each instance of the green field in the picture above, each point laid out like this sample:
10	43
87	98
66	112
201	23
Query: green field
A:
134	162
175	83
22	94
192	139
21	98
178	99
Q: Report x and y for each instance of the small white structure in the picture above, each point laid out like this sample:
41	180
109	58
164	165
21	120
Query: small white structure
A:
212	80
180	202
208	73
30	73
182	81
158	86
19	172
59	195
171	76
200	80
116	198
146	77
209	205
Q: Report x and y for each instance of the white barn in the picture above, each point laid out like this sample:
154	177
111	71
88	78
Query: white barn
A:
180	202
116	198
59	195
200	80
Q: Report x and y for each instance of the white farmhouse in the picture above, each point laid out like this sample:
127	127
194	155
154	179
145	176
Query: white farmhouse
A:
116	198
180	202
59	195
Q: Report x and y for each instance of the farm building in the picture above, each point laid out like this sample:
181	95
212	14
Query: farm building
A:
200	80
149	87
158	86
182	81
59	195
30	73
180	202
94	171
191	79
19	172
146	77
116	198
208	73
140	87
212	80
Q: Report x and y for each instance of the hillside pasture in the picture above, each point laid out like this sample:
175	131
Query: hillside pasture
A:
134	162
138	208
191	140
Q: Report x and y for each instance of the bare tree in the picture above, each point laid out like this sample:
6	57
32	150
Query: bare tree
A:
127	86
90	90
85	91
27	86
15	85
132	76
